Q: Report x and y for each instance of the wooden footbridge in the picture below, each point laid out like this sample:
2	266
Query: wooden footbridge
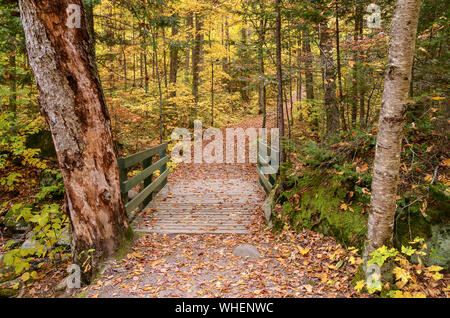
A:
206	204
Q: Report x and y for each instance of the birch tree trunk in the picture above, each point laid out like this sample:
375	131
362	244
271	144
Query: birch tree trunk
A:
390	125
72	101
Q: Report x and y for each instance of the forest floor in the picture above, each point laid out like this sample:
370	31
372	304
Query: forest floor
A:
306	264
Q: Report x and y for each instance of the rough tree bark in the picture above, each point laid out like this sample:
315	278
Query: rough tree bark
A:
72	101
390	125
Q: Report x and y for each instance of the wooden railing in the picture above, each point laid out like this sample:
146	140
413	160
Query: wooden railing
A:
150	186
267	180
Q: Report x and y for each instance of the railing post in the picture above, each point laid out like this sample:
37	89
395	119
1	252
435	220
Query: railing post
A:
162	154
147	181
123	177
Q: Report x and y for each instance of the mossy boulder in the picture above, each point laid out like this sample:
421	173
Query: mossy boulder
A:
323	205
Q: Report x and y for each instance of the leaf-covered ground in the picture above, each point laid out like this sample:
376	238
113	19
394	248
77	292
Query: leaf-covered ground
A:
303	265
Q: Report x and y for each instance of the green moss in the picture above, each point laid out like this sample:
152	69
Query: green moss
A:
359	275
8	293
126	243
319	209
83	294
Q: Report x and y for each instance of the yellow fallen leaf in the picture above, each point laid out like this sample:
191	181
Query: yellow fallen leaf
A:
303	251
157	262
25	276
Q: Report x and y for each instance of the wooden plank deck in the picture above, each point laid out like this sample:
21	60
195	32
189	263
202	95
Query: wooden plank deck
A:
201	206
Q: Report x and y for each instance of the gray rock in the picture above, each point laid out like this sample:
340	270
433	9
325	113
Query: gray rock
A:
29	243
246	250
62	285
64	237
132	194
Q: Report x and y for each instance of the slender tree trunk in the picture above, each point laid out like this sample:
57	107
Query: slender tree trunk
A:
242	80
338	60
329	79
355	70
196	62
158	78
212	83
71	100
164	59
362	82
309	82
262	101
227	41
13	84
390	125
280	117
299	66
189	36
134	58
173	63
124	46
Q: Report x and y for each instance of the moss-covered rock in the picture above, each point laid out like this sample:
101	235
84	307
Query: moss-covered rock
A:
8	293
321	205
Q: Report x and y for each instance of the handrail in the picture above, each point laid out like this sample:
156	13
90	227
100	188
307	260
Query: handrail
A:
150	186
266	180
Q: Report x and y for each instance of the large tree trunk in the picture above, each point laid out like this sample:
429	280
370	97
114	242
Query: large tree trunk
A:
71	100
329	78
390	125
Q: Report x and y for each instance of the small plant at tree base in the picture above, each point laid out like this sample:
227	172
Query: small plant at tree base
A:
407	276
49	224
